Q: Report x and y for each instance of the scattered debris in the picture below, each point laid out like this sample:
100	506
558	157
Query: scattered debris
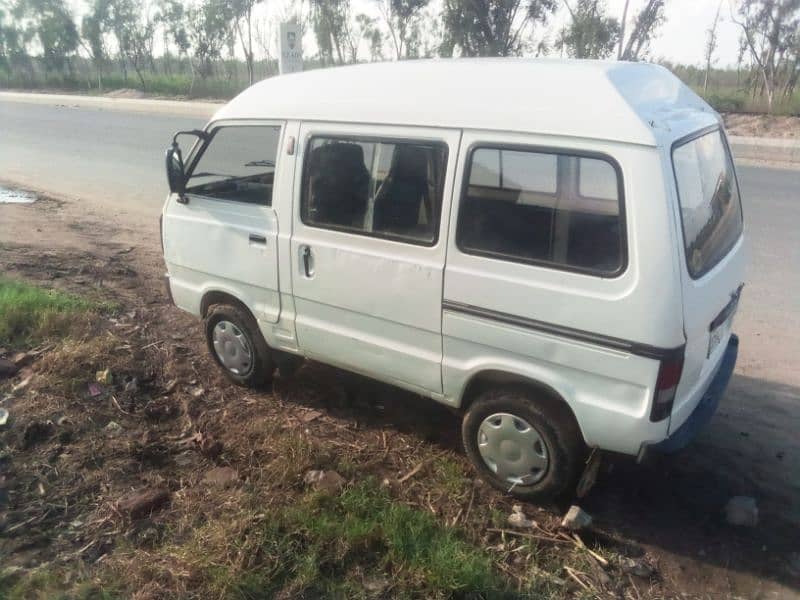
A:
637	567
63	421
113	428
131	385
104	377
197	392
171	386
329	482
310	415
24	383
21	359
3	416
95	389
161	409
221	477
7	368
207	445
142	503
742	511
37	432
576	518
517	518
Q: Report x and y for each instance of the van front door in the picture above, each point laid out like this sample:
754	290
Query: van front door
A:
221	236
367	250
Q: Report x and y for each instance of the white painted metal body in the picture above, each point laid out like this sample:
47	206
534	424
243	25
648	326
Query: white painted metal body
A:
383	308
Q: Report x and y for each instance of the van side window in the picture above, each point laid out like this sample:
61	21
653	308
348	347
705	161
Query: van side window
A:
556	209
389	189
238	163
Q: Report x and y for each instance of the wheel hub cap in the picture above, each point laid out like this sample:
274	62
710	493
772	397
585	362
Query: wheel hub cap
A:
512	449
232	348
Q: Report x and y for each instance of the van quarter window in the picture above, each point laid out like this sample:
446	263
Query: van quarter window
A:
556	209
390	189
711	211
237	164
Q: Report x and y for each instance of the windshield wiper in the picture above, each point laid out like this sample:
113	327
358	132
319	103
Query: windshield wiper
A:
260	163
214	175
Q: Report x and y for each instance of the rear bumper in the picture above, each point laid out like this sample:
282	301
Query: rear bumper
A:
707	406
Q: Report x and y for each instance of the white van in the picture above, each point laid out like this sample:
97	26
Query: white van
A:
554	248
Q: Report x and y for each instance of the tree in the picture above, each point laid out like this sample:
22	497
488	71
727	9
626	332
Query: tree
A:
330	20
402	21
172	20
492	27
51	23
645	25
208	33
591	34
711	46
243	23
770	31
93	38
13	41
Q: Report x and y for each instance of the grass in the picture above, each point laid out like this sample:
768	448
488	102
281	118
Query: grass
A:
31	314
332	546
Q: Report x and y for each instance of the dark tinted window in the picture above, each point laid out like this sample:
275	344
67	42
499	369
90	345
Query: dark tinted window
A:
387	189
710	206
542	207
238	164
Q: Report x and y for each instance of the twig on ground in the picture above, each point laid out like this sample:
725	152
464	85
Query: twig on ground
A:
119	408
574	575
150	345
412	472
592	553
533	536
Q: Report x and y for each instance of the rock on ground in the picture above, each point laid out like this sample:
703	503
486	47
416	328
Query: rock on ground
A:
576	518
142	503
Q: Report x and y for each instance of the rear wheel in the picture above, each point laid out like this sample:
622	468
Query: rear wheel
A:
236	344
528	447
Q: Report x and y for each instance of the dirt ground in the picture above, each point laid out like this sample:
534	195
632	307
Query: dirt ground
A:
61	488
768	126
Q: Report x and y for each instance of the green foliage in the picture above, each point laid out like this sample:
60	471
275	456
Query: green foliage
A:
726	102
31	313
492	28
590	34
324	546
51	22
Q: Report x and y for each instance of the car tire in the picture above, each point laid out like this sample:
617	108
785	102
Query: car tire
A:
236	344
554	447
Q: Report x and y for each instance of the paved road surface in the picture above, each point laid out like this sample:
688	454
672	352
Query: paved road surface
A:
115	157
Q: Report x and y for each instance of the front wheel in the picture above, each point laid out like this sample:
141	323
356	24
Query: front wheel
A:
526	446
236	344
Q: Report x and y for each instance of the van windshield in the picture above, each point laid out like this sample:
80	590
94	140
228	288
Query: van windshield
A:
711	210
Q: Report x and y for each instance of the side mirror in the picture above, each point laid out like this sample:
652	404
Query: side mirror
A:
176	178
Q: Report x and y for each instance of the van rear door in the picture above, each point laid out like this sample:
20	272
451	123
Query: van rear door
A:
713	273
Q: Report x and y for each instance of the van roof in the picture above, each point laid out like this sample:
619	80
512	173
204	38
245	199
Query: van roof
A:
637	103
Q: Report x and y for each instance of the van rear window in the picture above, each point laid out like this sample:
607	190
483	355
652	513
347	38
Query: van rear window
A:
711	210
552	209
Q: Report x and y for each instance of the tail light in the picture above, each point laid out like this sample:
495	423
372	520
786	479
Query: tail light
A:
669	374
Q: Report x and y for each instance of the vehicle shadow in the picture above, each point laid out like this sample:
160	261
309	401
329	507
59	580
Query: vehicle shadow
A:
673	503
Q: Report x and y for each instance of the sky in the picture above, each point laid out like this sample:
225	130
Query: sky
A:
681	39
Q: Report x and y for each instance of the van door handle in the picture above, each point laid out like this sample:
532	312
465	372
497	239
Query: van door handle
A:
258	239
308	261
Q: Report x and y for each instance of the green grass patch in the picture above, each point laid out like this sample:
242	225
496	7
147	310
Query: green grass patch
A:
49	584
29	314
341	546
